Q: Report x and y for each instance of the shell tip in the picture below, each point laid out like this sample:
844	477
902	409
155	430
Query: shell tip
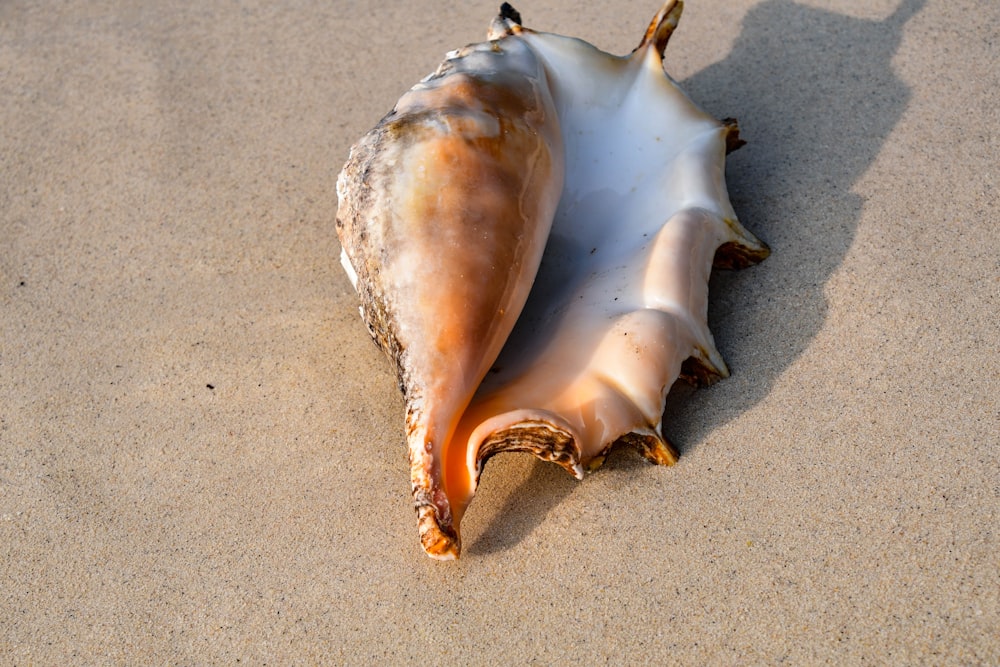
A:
741	254
653	447
507	22
703	368
439	542
662	26
508	13
733	139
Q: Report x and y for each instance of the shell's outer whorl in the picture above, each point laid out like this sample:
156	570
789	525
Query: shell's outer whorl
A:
444	211
532	142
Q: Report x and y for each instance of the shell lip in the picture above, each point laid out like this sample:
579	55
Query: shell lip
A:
543	433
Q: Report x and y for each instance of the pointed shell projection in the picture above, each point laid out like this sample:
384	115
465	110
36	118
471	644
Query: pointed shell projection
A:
531	232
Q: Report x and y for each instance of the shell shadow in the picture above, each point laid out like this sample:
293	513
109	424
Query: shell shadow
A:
522	508
816	97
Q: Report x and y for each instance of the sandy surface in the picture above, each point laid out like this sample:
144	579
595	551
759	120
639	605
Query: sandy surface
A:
201	452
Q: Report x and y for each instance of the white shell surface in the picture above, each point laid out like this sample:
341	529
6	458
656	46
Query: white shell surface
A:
621	298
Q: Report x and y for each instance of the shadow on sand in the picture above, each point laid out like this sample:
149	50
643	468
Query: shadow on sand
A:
817	98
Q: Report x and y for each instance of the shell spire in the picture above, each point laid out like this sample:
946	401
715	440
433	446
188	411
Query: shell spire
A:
531	231
507	22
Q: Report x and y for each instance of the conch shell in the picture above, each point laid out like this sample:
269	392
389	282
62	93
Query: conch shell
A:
526	144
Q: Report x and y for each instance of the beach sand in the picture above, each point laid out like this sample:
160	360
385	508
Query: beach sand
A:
202	456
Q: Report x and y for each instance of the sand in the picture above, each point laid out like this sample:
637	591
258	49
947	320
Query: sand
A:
201	451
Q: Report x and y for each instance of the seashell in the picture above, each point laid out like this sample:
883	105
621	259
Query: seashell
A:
526	144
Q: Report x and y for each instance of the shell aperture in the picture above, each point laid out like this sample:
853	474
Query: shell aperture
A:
526	144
